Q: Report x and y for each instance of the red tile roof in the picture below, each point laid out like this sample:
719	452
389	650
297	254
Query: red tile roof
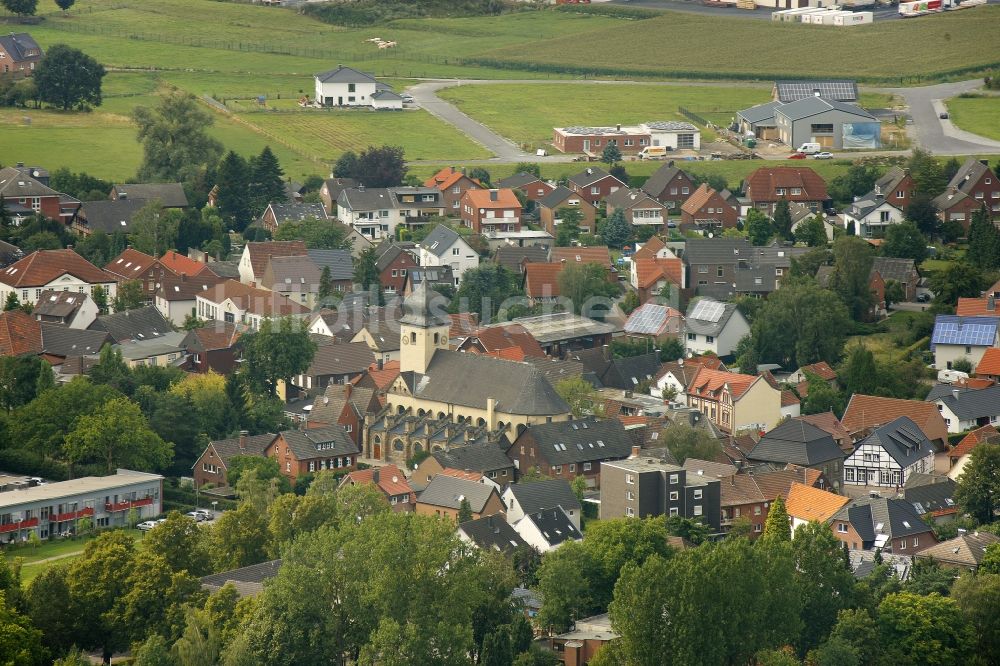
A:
633	420
130	264
788	398
481	199
43	266
508	354
977	307
461	474
463	324
866	412
707	383
699	198
261	253
821	370
762	184
986	433
257	301
19	334
650	271
447	177
597	254
383	378
217	335
989	364
496	338
808	503
541	280
650	249
390	480
182	265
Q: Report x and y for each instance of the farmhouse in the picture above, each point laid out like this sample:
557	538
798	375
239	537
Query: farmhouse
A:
19	53
346	86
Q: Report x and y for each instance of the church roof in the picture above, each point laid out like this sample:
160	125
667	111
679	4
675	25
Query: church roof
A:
425	307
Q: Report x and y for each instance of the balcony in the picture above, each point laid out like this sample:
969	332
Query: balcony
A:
71	515
23	525
127	504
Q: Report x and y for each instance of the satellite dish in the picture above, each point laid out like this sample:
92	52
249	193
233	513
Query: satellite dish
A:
711	235
35	173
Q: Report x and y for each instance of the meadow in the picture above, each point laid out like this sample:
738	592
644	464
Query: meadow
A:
979	115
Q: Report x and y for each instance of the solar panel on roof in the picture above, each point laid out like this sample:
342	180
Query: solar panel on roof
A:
646	320
707	310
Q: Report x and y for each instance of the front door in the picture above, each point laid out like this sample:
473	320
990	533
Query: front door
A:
377	451
586	145
871	478
340	101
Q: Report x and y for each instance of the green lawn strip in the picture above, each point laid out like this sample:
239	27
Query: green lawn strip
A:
979	115
50	552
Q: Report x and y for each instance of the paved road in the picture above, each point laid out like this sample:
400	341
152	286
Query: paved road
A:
932	133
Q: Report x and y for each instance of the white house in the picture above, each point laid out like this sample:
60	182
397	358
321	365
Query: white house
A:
713	326
966	409
376	212
965	338
235	302
547	529
520	499
56	270
888	456
346	86
871	215
444	247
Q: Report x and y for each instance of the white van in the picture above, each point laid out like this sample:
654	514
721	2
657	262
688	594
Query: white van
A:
810	148
653	152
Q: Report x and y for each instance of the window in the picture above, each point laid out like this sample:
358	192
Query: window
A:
557	469
595	190
756	510
697	509
572	467
629	478
685	190
629	495
901	194
709	339
796	191
674	479
902	544
780	191
674	511
842	528
883	216
674	496
692	337
703	269
288	465
916	542
456	251
718	271
351	87
586	467
697	493
849	474
822	128
673	190
629	511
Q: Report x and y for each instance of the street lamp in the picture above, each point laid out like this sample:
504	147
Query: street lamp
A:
214	504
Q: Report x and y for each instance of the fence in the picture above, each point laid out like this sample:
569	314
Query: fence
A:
692	116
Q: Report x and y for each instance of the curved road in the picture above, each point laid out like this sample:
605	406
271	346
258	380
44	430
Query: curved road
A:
925	103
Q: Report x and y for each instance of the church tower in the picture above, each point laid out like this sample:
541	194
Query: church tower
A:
423	329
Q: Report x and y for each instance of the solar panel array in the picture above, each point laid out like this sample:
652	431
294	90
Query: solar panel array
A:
670	125
843	91
647	319
965	332
708	310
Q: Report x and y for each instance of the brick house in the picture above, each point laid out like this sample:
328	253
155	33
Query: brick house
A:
19	54
568	449
443	497
346	405
211	467
134	265
277	214
708	209
594	184
670	186
896	187
392	262
452	184
768	185
955	206
563	197
488	461
749	496
976	180
533	187
889	524
640	208
299	452
485	211
389	481
21	191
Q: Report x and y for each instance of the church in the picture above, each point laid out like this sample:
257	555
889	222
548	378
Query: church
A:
441	386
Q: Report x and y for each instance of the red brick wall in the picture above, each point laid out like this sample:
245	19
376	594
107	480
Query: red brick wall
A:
403	262
598	142
605	186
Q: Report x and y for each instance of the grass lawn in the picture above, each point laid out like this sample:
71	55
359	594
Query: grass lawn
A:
979	115
35	560
526	113
884	344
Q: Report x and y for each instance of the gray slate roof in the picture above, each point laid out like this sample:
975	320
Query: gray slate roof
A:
704	327
17	182
796	441
588	176
554	525
255	446
478	458
970	405
140	324
440	240
170	195
581	440
900	270
320	442
296	212
760	113
874	516
470	379
339	262
425	307
20	45
518	180
493	533
293	275
511	256
344	74
812	106
347	358
556	197
538	495
656	183
247	580
929	492
902	439
867	204
448	491
716	250
60	340
110	216
890	180
968	174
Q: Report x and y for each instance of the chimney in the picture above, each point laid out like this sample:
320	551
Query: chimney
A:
361	187
635	452
375	475
184	277
348	389
955	393
618	127
991	303
243	440
378	363
605	349
493	195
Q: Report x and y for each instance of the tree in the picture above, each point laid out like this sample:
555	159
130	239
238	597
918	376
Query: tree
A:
581	283
617	229
569	225
12	303
100	296
614	544
154	230
68	78
781	221
978	597
233	196
859	180
853	260
279	349
47	603
22	379
154	651
923	629
366	271
922	213
859	373
978	489
959	279
316	234
928	177
481	175
984	241
778	525
822	397
346	165
266	184
384	166
65	4
199	645
611	155
528	167
175	141
991	560
685	442
905	241
20	642
807	264
824	580
563	584
464	511
486	290
129	296
239	538
496	649
834	652
812	232
117	435
580	395
758	228
181	543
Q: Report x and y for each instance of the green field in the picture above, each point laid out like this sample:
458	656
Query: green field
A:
979	115
52	552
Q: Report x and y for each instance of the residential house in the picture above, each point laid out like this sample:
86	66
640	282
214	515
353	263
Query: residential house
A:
19	54
871	215
336	363
643	487
170	195
958	456
631	373
967	338
9	254
639	208
418	205
390	481
376	212
149	271
107	216
989	365
661	279
867	412
339	264
735	402
541	282
768	185
347	405
25	195
533	187
500	337
891	525
798	442
140	324
765	269
277	214
56	270
955	206
820	370
300	452
213	348
20	334
747	497
669	185
708	210
491	533
976	181
445	247
712	326
932	495
176	297
901	271
521	499
330	191
966	409
489	461
212	466
452	183
445	494
568	449
832	124
965	552
514	257
438	278
889	455
165	350
579	645
561	333
896	186
594	184
595	254
547	529
296	278
562	198
234	302
985	306
382	338
806	504
393	261
674	376
712	264
68	308
253	261
670	134
248	581
346	86
655	322
487	211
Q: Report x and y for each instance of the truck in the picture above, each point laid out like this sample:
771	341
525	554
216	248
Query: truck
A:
922	7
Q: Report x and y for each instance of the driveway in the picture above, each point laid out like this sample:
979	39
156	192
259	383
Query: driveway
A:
932	133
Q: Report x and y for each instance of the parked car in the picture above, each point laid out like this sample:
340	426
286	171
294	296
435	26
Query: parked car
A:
823	156
923	297
797	156
407	99
147	525
197	516
943	115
